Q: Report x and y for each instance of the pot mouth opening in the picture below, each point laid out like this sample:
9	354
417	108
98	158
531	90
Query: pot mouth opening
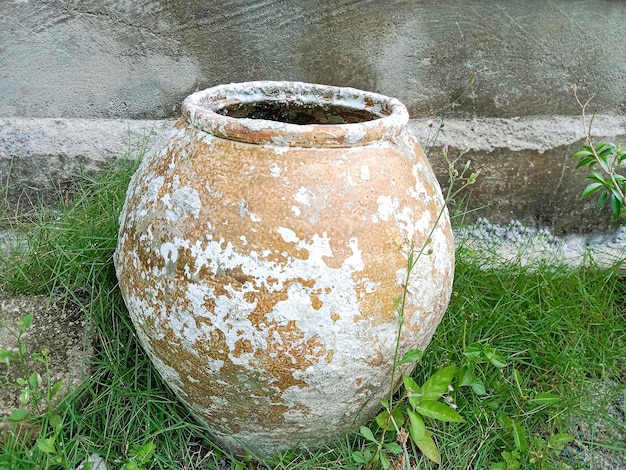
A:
295	114
292	112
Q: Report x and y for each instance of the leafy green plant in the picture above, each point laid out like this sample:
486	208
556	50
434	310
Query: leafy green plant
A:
33	389
416	402
36	394
602	160
475	354
523	449
140	456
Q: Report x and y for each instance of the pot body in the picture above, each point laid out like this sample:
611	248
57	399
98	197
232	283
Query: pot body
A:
260	264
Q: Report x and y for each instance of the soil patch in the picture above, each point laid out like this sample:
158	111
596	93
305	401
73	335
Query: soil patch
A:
58	326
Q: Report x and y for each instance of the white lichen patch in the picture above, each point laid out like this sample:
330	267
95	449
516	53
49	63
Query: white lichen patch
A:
355	134
288	235
304	196
181	203
275	170
365	173
390	208
169	252
277	149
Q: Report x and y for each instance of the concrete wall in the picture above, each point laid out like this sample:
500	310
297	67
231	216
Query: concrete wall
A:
125	59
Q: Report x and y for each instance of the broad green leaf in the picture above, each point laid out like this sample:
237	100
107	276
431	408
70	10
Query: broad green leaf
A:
411	355
429	448
495	357
393	447
604	163
586	161
506	422
439	382
602	199
498	466
617	194
384	460
55	420
600	145
25	396
597	176
606	151
616	207
474	350
382	419
519	435
545	398
18	415
415	401
417	429
357	456
558	441
55	389
465	376
46	445
478	387
512	459
410	385
34	381
439	411
591	189
25	323
367	434
6	356
143	453
583	153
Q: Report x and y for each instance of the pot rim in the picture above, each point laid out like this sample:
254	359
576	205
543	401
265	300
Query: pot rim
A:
201	110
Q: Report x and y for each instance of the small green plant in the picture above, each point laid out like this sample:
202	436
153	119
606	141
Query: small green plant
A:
475	354
35	392
602	160
415	402
140	456
523	450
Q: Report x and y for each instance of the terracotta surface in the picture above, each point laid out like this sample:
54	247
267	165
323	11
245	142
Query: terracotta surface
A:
260	259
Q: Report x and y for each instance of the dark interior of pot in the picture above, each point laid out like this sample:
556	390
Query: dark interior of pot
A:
298	113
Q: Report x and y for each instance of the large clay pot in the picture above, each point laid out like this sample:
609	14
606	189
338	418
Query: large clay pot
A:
261	248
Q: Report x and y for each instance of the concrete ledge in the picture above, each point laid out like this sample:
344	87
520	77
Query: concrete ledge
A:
526	170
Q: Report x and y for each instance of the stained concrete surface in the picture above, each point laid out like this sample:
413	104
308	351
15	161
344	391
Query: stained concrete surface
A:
139	59
526	172
77	76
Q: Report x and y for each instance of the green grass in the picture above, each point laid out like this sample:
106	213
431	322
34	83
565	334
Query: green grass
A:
562	330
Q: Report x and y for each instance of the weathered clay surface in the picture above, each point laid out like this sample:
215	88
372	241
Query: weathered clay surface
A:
261	277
